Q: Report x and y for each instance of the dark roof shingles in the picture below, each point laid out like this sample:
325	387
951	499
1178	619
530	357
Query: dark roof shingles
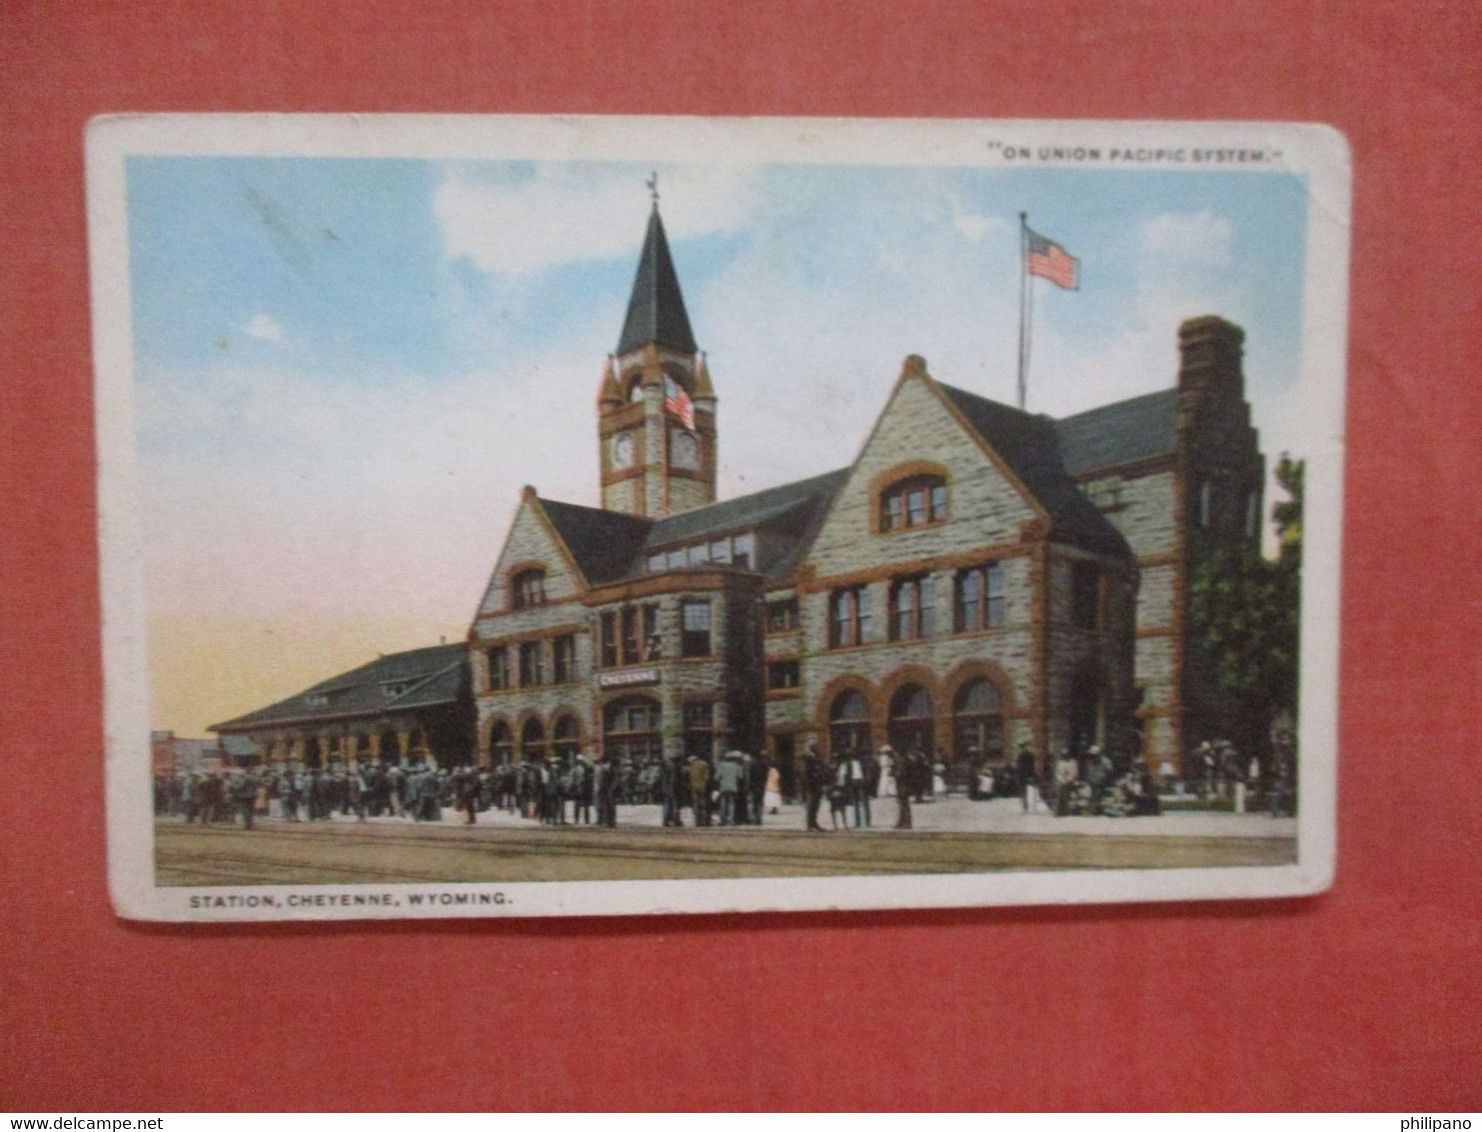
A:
436	675
1030	445
656	308
1124	432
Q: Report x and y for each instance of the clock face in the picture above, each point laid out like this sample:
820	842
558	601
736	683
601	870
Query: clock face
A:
686	451
622	450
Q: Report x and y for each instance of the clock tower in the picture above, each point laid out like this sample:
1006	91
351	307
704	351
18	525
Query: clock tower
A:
656	405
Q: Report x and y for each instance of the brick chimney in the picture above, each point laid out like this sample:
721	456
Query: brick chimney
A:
1210	351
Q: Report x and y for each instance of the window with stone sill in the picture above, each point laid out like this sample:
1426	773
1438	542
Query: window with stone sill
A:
980	598
498	669
917	501
849	617
911	612
563	666
527	589
532	665
694	628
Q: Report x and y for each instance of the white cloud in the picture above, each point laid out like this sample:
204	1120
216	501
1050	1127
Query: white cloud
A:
561	216
1194	237
974	225
264	327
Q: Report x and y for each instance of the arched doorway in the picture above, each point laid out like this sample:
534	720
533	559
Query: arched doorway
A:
532	741
977	722
849	724
912	722
566	737
631	729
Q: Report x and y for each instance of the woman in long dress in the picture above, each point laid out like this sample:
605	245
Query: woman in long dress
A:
886	759
772	801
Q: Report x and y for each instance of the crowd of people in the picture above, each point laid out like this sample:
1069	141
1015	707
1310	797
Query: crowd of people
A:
736	789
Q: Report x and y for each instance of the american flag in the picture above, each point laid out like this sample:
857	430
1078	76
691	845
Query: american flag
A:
1049	260
678	402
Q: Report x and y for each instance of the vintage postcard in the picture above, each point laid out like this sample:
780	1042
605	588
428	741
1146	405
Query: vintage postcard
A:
526	516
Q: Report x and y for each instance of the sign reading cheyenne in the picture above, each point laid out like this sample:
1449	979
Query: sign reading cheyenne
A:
765	514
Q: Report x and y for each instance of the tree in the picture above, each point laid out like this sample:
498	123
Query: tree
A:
1244	611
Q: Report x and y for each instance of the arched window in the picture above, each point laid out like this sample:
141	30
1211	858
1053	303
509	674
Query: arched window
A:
913	502
566	736
631	727
527	589
977	721
912	722
501	744
532	741
849	724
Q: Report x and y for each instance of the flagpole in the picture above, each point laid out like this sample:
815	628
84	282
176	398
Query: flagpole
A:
1023	305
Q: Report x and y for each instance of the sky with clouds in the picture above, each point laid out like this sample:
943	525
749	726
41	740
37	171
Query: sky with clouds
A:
347	368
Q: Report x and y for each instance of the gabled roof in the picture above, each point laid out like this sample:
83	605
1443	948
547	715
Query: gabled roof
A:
656	308
1124	432
424	677
1030	445
603	543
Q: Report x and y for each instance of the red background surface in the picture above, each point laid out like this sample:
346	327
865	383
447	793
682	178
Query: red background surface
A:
1368	997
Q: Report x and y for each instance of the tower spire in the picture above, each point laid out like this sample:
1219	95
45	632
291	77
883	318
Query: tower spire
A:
656	311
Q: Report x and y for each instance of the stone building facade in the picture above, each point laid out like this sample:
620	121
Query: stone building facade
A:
978	579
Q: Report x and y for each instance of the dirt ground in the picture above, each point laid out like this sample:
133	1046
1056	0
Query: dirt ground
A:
278	852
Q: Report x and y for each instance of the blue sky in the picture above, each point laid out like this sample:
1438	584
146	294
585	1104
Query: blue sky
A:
347	368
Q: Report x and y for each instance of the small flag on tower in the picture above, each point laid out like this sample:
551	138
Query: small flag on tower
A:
678	402
1048	260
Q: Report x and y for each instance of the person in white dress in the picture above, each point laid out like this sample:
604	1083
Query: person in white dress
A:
886	759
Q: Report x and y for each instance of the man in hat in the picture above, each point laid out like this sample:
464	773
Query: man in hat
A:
698	772
728	781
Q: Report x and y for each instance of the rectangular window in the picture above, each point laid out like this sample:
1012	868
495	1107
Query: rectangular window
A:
783	674
532	665
655	563
563	666
980	599
1253	515
741	552
894	513
916	506
653	647
632	646
699	725
1085	598
911	601
938	503
498	669
609	640
698	555
674	559
995	610
695	628
849	617
720	550
782	615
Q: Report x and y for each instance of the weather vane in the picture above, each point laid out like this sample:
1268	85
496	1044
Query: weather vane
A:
653	185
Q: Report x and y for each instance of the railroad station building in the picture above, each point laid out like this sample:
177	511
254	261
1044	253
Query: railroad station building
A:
977	578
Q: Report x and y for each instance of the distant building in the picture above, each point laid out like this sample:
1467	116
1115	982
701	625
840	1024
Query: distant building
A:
978	578
402	707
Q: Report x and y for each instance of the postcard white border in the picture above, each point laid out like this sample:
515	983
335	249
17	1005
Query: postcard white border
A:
1319	152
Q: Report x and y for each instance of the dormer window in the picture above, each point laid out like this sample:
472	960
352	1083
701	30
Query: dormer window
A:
395	688
918	501
527	589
